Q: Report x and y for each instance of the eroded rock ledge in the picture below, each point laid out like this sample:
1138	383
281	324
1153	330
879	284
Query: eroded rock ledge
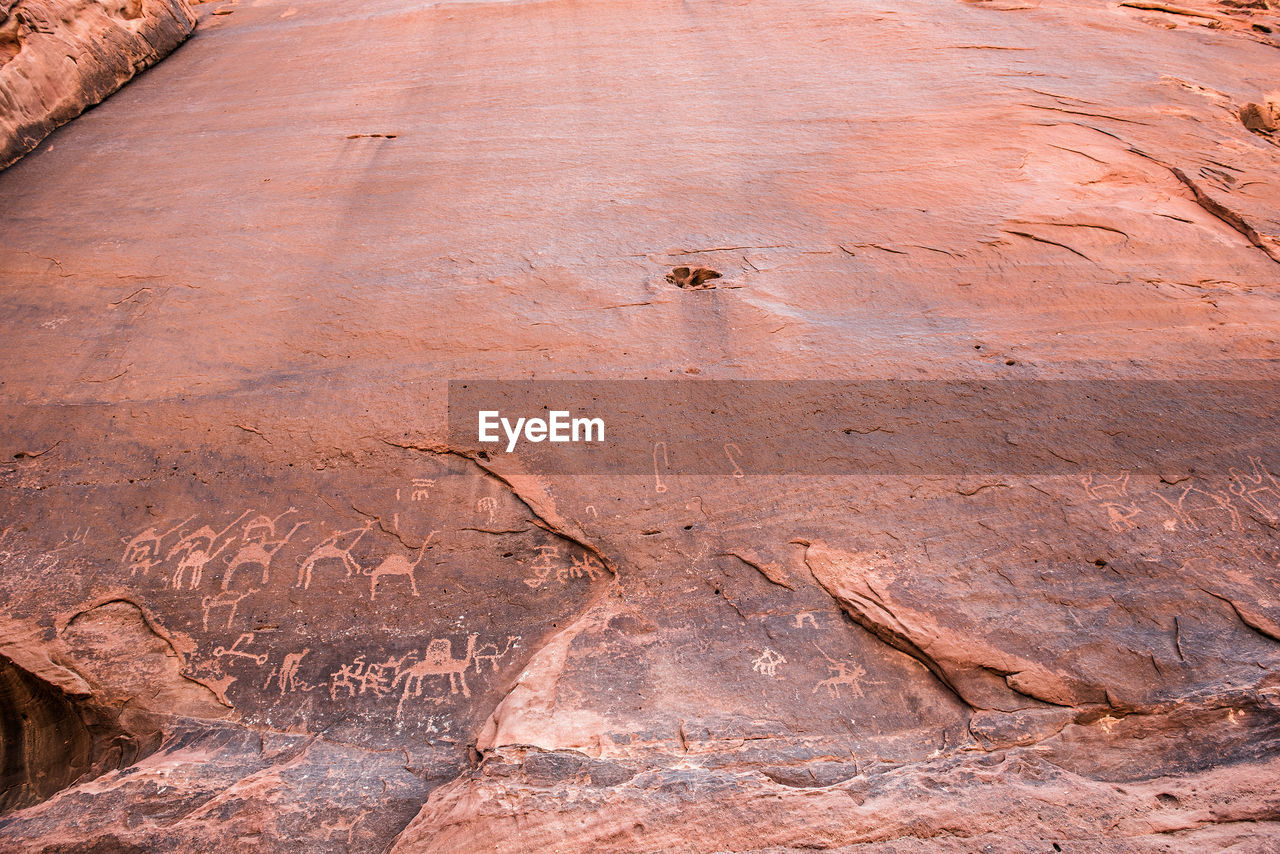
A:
60	57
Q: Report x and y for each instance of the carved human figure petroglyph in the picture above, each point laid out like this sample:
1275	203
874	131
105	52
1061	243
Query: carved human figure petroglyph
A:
546	561
348	677
286	677
262	527
1260	490
361	677
487	505
489	652
257	553
437	660
225	599
737	470
237	650
767	662
144	551
397	565
843	673
328	550
421	489
196	550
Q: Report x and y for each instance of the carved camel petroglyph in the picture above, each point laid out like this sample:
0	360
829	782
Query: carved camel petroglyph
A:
224	599
328	550
143	551
490	653
259	553
195	550
437	660
397	565
263	527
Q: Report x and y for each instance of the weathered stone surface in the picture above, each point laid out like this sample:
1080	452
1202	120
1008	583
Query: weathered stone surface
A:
60	57
238	542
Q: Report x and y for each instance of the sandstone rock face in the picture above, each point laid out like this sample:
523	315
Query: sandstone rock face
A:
60	57
258	595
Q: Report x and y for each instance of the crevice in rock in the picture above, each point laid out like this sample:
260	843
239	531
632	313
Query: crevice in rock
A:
544	517
44	744
1215	208
10	38
772	573
51	738
1256	625
881	624
1224	213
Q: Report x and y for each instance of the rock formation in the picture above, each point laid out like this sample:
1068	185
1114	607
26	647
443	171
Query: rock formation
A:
260	592
60	57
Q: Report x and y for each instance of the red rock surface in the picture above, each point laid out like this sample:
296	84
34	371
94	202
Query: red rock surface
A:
258	598
60	57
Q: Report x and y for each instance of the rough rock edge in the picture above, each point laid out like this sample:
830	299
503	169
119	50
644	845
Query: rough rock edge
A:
1007	797
39	93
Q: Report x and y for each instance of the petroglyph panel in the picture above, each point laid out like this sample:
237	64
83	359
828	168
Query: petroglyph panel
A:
328	600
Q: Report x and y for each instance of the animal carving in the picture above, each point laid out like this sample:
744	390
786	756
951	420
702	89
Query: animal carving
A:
1254	488
224	599
263	527
196	550
397	565
491	654
847	674
344	825
437	660
1193	503
144	551
1101	486
259	553
328	550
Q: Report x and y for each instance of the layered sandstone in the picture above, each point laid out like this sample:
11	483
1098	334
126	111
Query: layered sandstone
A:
259	597
60	57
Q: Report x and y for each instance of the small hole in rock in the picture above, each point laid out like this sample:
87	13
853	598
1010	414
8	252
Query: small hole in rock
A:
692	278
